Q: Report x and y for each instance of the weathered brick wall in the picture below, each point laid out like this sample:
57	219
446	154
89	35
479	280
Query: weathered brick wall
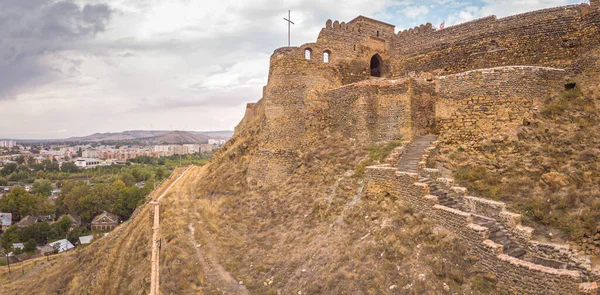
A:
371	111
382	110
482	104
550	37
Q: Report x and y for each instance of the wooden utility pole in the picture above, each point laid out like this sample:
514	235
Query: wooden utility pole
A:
290	22
7	261
154	275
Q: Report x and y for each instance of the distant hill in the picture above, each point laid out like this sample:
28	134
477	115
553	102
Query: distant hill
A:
176	137
154	136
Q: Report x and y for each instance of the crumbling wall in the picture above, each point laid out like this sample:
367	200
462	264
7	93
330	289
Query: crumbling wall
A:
483	104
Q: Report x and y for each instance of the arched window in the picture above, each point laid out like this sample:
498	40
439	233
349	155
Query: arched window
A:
307	53
326	56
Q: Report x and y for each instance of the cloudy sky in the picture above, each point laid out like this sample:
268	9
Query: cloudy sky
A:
71	68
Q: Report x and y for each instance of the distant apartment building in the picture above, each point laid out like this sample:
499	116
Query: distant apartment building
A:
217	141
162	148
205	148
8	143
90	153
180	150
192	148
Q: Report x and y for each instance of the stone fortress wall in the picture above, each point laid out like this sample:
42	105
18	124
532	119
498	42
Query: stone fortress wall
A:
482	104
470	82
550	37
555	37
381	110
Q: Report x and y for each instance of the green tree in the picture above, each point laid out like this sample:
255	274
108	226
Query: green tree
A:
127	178
71	194
20	160
21	203
69	167
42	187
63	225
9	237
9	168
30	245
106	196
3	182
50	166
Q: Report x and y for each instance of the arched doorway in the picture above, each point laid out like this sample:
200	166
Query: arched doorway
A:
376	65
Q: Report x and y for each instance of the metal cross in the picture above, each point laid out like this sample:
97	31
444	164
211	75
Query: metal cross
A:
289	22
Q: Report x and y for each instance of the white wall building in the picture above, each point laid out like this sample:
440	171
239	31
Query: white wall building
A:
162	148
8	143
90	153
86	162
217	141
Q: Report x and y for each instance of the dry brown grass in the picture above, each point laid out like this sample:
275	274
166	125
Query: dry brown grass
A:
550	174
116	264
312	233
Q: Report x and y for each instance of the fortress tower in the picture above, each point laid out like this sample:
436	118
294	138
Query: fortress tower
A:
382	84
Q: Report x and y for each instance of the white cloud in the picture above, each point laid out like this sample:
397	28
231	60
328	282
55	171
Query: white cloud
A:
173	63
415	11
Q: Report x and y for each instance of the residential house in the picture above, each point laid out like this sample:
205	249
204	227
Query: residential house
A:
27	221
75	220
105	221
84	240
6	219
57	247
18	246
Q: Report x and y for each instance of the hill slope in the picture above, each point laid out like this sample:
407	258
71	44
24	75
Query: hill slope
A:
154	136
310	233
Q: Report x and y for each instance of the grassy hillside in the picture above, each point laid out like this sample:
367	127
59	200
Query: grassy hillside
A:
116	264
550	174
312	233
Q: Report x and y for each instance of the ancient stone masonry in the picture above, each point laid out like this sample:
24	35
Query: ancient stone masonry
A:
550	37
470	83
483	104
522	266
381	110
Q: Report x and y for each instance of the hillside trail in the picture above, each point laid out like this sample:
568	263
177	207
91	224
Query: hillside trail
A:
204	243
32	272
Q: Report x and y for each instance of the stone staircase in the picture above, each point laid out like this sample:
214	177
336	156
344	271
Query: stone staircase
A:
497	232
412	156
499	235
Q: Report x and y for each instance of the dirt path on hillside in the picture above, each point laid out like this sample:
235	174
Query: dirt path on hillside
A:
205	251
216	273
32	272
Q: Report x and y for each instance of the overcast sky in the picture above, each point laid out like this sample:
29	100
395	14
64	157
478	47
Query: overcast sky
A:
72	68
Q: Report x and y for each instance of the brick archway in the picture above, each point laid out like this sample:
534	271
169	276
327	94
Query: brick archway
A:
376	65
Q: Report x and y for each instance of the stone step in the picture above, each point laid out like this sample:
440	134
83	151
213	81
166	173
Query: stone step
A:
548	262
499	234
516	252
